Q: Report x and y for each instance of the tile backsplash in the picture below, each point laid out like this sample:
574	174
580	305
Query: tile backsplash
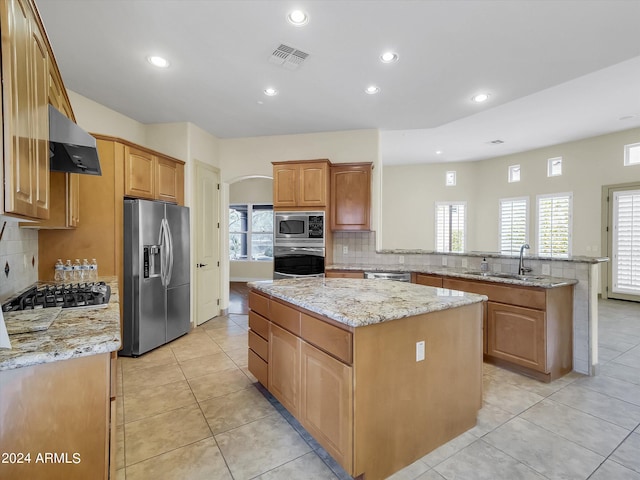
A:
18	257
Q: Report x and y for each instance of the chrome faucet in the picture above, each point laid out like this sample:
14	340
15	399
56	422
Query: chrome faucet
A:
521	268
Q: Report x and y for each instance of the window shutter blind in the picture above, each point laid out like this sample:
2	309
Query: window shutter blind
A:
513	225
450	227
626	232
554	225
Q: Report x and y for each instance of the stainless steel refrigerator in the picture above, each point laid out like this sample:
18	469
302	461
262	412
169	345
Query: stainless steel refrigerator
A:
156	275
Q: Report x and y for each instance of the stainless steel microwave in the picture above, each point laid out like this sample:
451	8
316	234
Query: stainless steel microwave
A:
299	228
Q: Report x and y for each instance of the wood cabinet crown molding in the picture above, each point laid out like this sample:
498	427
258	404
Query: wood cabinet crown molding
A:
129	143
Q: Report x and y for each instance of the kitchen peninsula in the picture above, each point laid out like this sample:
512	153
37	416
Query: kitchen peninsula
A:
379	373
57	393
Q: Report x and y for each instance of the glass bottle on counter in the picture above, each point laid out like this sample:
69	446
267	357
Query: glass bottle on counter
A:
58	275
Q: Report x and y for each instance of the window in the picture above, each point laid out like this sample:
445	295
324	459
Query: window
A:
514	231
554	167
514	173
450	226
626	241
451	179
250	232
632	154
554	224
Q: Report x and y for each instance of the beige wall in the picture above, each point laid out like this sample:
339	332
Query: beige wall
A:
409	192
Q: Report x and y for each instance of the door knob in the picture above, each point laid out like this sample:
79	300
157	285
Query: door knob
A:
201	265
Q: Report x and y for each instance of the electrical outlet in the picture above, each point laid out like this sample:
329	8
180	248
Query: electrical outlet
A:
444	261
401	259
465	263
345	249
420	351
546	269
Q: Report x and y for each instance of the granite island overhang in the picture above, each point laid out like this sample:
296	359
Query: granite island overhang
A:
379	373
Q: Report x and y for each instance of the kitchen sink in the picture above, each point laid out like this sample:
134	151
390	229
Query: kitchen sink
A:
515	276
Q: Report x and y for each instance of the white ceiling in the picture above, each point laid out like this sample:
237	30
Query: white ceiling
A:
556	70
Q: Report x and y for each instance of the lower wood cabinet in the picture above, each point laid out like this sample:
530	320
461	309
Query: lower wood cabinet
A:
428	280
517	334
344	274
326	402
526	329
284	368
63	408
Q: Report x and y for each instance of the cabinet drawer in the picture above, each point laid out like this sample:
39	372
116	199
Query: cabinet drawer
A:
259	324
429	280
327	337
259	345
508	294
259	368
285	316
259	304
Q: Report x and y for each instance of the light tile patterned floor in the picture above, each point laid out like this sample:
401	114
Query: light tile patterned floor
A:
191	410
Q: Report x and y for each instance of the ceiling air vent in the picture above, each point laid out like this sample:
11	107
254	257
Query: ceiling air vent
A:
496	142
289	57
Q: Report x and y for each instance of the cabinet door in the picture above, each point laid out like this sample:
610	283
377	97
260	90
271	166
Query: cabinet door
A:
284	368
139	173
312	186
169	180
25	140
517	334
326	403
343	274
351	197
285	185
73	196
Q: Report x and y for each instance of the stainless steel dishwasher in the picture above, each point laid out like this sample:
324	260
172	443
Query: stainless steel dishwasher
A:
396	276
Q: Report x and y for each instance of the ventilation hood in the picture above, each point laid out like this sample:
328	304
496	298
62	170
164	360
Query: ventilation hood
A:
71	149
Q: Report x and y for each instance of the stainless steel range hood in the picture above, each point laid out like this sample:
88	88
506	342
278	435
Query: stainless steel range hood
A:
71	149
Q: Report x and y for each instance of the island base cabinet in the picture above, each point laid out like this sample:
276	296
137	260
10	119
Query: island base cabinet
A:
58	413
326	403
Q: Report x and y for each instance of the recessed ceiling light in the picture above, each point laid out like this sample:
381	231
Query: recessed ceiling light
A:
481	97
158	61
389	57
497	142
298	18
438	152
372	89
270	92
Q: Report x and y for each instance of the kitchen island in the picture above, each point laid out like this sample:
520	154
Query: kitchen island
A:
57	392
379	373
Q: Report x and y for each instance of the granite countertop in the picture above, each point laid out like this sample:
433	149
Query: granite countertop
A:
528	280
356	302
73	333
478	253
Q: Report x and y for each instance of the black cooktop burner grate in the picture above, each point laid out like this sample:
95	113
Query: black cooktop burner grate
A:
61	295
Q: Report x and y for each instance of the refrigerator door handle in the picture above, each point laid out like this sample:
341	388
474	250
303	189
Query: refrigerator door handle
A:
163	253
169	252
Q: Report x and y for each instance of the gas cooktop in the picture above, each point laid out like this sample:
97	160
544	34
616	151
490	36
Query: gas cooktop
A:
71	295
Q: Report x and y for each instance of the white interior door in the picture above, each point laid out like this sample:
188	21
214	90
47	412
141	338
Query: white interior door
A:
207	245
625	255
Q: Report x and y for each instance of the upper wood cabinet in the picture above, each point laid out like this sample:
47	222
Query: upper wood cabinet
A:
25	118
64	188
301	184
351	196
149	175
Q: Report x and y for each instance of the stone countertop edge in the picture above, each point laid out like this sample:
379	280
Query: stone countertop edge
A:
545	282
574	258
74	333
357	302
